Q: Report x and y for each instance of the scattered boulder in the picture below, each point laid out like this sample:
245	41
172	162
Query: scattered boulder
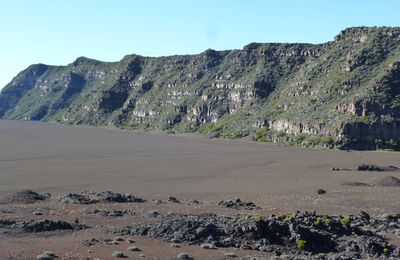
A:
50	225
86	198
112	214
370	168
24	197
208	246
134	248
321	191
184	256
6	223
296	233
72	198
118	239
238	204
108	196
173	200
118	254
100	241
47	255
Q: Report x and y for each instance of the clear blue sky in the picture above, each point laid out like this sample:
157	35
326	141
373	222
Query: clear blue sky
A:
57	31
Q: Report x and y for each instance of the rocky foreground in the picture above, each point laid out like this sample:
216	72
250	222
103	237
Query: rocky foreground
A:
96	221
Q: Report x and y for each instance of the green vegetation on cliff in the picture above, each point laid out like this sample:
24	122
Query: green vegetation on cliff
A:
344	93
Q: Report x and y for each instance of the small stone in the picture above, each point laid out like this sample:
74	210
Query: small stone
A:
266	248
46	255
183	256
133	248
175	245
321	191
37	213
130	241
119	254
230	254
153	213
142	255
208	246
118	239
173	200
393	225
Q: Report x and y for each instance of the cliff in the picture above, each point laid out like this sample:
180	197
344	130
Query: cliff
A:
344	93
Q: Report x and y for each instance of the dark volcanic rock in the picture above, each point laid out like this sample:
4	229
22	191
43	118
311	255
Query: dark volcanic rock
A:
108	196
25	196
181	228
352	236
173	200
377	168
113	213
50	225
370	168
6	223
238	204
72	198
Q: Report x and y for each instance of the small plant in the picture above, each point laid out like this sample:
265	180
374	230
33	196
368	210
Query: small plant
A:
318	222
258	218
327	220
386	251
345	221
280	217
394	216
301	244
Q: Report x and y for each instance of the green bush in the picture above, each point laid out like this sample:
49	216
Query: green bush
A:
301	244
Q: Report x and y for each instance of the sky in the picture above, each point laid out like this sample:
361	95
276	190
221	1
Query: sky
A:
56	32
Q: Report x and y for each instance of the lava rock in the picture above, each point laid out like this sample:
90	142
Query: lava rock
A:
47	255
25	197
173	200
134	248
238	204
184	256
108	196
72	198
118	254
50	225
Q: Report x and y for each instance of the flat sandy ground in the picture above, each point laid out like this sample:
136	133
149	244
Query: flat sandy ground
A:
58	159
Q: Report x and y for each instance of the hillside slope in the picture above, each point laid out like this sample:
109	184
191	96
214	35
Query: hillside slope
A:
344	93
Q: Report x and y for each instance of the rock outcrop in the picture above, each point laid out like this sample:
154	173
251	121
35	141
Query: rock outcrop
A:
347	89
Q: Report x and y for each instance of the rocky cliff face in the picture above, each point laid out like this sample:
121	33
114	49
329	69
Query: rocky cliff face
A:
348	89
